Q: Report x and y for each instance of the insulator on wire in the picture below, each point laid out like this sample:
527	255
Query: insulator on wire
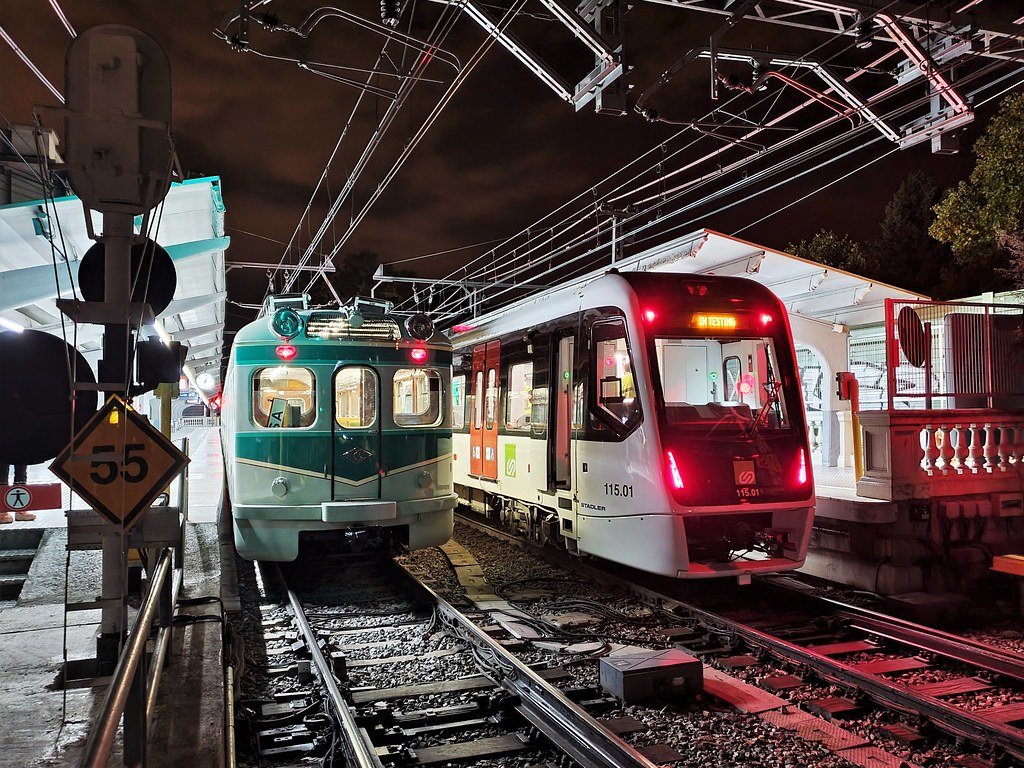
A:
390	12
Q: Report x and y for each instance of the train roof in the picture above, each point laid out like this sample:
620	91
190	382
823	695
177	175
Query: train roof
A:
338	326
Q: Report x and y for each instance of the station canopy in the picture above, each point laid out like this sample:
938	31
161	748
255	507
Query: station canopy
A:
807	288
191	229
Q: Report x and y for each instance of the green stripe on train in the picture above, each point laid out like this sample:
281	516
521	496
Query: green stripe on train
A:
256	354
309	451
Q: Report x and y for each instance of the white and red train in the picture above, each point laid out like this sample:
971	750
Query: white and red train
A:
653	420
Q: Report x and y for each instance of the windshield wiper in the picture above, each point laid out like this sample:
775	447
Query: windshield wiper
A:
771	389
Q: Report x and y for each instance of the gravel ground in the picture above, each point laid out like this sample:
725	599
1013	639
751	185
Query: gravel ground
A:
706	736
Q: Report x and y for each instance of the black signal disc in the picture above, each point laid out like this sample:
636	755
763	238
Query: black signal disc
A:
36	395
148	260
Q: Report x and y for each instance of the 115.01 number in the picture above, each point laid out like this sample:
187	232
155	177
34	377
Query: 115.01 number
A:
618	489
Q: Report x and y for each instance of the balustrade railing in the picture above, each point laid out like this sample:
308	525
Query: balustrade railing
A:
922	454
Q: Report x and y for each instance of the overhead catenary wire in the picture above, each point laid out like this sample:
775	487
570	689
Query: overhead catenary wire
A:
449	304
428	122
506	292
55	4
30	64
804	73
439	33
463	272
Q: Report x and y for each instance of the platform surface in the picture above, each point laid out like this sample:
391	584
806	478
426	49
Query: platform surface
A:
46	726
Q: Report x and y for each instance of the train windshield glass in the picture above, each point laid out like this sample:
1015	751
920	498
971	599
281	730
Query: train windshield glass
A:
728	384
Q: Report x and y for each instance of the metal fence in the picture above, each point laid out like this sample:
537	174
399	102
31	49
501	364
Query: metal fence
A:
951	355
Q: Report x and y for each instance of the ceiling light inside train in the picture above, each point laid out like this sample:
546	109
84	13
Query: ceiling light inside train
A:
286	323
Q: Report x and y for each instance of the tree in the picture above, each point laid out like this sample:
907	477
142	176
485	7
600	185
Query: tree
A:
905	254
990	202
834	250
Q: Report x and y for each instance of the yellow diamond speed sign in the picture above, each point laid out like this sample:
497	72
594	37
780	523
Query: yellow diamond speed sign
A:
119	463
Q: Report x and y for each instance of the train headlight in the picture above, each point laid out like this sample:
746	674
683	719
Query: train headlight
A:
419	327
279	487
286	323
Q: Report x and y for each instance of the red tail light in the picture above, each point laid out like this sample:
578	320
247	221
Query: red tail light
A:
801	473
650	315
286	352
766	319
418	354
673	471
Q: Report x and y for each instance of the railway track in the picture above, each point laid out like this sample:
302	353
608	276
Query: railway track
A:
786	640
474	699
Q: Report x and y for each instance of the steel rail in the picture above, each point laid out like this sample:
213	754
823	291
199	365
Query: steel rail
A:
958	722
356	742
561	720
103	734
956	647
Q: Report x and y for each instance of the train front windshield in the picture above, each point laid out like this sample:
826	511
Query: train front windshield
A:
716	385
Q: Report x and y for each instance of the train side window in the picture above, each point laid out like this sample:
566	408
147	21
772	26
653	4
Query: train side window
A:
355	397
417	397
283	397
539	410
491	408
612	372
458	402
478	400
518	411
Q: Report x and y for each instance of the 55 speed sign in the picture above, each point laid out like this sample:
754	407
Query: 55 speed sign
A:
119	463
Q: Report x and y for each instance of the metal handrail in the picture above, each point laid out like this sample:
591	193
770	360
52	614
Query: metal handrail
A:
103	734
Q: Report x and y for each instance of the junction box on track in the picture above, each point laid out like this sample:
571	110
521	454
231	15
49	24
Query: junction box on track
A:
634	675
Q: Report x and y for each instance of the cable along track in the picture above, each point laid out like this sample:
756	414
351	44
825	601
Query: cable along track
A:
567	728
993	728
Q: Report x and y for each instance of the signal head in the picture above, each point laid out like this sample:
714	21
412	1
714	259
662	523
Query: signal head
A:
419	326
286	323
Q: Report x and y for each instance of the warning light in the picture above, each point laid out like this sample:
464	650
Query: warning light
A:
766	319
717	322
673	471
801	473
650	315
286	352
418	354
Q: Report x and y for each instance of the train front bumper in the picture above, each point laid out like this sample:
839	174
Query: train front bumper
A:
355	511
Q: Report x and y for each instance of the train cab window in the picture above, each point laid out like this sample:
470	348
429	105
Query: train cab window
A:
283	397
694	397
417	397
355	397
478	400
491	400
458	402
518	410
612	372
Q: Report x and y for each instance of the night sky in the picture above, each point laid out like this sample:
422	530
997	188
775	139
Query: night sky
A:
505	152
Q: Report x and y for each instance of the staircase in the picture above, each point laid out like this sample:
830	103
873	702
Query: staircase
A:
17	549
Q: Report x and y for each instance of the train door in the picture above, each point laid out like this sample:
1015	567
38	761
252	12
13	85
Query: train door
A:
476	417
355	434
492	360
560	434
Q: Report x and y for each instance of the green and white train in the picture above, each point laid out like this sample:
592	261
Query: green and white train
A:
336	430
